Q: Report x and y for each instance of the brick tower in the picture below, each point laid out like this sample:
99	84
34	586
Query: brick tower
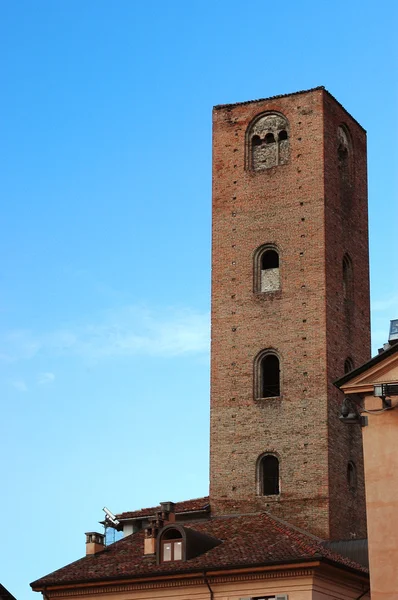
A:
290	310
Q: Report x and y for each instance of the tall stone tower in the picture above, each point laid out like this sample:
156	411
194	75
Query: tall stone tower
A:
290	310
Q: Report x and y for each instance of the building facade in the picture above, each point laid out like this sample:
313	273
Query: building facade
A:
290	309
380	434
290	313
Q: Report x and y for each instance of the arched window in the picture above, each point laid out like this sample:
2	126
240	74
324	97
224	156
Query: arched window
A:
348	365
282	135
171	546
267	142
268	475
345	166
352	476
267	375
266	269
269	138
347	278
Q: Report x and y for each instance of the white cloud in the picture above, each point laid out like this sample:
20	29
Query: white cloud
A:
45	378
20	385
126	331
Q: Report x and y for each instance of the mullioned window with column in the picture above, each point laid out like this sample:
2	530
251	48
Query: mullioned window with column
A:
267	142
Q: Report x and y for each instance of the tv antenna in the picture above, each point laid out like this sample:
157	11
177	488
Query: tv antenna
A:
110	521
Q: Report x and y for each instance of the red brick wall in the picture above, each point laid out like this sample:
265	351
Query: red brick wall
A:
293	206
348	321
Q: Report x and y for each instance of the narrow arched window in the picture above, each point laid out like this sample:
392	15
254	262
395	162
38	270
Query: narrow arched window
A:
282	135
266	270
347	278
345	165
348	365
256	141
267	142
268	376
269	260
352	476
268	475
171	546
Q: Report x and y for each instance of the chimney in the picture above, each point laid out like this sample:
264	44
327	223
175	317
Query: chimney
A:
95	542
166	514
151	533
168	511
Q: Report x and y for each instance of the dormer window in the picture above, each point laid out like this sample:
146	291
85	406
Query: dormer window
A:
171	546
176	542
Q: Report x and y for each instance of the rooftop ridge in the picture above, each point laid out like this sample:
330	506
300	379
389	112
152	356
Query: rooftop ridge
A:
148	510
314	89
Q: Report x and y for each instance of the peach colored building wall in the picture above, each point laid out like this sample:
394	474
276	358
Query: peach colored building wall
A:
324	583
380	437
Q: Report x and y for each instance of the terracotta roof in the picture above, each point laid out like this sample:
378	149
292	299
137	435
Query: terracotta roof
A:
5	594
367	365
181	507
247	541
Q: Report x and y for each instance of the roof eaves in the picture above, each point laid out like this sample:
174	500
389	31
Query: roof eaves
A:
314	89
370	363
5	594
194	572
152	516
232	104
316	557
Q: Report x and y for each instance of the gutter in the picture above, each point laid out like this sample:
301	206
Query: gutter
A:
208	585
152	516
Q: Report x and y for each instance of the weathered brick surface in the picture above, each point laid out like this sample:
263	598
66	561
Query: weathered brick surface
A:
300	208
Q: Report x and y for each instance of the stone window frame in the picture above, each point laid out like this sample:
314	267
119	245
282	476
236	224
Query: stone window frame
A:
258	374
260	475
248	145
257	258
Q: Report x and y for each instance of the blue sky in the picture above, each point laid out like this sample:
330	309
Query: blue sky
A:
104	284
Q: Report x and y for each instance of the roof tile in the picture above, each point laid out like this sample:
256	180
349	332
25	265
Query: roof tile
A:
181	507
247	540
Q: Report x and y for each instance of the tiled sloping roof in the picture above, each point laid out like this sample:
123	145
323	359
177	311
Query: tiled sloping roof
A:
5	594
247	540
186	506
365	366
